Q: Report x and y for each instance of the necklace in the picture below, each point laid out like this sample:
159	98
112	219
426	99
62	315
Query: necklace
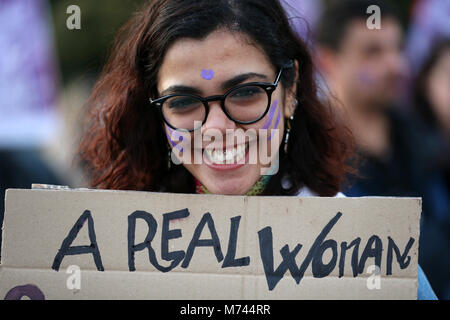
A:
256	190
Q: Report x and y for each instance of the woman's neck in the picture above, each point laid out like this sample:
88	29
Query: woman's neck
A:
257	189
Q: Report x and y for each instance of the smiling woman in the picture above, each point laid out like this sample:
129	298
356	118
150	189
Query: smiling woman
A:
214	68
183	69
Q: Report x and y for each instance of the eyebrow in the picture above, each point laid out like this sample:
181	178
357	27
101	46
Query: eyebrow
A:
225	85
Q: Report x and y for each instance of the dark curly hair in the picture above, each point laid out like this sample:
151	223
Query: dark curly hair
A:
124	144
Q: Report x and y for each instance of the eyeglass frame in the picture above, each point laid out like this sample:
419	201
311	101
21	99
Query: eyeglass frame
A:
269	88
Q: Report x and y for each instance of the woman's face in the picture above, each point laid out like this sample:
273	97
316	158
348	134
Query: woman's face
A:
213	66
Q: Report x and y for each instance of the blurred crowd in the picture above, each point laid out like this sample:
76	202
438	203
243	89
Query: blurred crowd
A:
392	83
394	87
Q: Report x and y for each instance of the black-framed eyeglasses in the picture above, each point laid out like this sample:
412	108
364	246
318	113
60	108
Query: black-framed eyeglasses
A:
244	104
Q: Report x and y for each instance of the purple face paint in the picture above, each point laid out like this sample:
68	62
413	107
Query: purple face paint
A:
29	290
276	124
271	113
207	74
365	78
176	135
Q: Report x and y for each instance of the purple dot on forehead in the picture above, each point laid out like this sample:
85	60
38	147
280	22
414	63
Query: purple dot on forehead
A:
207	74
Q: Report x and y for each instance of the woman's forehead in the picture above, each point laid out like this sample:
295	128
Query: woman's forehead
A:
226	54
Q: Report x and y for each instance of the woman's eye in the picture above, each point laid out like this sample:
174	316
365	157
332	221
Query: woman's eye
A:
182	103
247	93
244	92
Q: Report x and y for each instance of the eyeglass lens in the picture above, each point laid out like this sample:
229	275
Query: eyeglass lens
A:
244	104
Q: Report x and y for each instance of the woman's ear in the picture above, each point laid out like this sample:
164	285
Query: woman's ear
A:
291	95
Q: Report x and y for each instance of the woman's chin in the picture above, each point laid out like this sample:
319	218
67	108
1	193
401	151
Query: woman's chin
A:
227	190
226	182
228	187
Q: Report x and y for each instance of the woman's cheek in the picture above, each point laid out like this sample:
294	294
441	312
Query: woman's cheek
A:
270	136
181	146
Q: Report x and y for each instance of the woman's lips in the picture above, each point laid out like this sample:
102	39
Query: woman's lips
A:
226	159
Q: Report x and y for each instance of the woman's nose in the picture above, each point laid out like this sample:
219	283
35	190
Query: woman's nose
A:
217	119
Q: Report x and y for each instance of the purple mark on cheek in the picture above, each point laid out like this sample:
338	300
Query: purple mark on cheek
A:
271	113
276	124
207	74
176	135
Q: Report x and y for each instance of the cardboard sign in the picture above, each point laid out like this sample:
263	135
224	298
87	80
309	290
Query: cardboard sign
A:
98	244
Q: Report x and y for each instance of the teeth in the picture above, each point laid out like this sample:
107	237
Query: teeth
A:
228	156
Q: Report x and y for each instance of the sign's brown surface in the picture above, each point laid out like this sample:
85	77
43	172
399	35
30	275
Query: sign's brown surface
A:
142	245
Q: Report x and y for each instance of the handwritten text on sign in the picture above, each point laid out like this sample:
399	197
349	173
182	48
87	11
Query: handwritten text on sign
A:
372	249
255	246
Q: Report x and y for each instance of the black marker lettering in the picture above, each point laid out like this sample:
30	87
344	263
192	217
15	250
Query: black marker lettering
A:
230	260
402	259
132	248
354	262
66	249
369	251
319	269
168	234
197	242
266	250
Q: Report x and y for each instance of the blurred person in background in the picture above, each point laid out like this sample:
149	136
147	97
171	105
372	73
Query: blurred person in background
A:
366	72
430	21
432	101
432	105
28	118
